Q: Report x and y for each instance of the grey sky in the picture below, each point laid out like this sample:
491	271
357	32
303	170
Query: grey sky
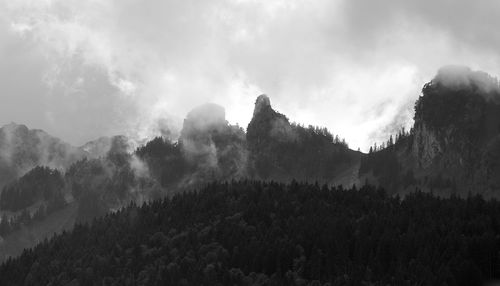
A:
83	69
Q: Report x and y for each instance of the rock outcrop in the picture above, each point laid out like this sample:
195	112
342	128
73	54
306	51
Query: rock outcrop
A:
457	119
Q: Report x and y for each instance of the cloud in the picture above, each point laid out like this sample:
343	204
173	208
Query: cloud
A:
134	67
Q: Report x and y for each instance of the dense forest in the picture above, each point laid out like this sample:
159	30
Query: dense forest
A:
41	183
255	233
41	189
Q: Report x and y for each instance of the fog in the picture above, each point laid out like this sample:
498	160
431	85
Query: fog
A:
85	69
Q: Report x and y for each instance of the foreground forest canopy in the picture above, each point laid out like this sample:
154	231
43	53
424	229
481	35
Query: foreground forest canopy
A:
255	233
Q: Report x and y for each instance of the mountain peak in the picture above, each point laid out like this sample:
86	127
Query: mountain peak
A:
267	124
464	78
263	99
261	103
460	100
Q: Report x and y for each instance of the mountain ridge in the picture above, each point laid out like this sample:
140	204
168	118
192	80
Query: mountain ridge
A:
452	149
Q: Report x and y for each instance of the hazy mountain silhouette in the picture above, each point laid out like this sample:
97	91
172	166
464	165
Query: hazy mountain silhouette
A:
22	149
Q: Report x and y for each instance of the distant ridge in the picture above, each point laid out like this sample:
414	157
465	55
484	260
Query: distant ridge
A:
22	148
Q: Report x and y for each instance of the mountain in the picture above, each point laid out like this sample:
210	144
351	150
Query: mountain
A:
22	149
280	150
209	149
452	149
454	145
105	174
226	232
108	174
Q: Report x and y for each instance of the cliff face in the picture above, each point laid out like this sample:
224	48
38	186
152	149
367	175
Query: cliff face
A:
263	138
268	125
452	143
456	119
427	147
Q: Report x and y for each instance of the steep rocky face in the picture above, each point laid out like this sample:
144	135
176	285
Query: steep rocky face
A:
427	147
263	134
457	119
262	105
21	149
268	125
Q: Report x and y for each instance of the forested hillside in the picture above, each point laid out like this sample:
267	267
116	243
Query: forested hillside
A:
255	233
112	173
41	183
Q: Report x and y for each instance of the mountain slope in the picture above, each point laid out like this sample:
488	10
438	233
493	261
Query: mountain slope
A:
27	236
254	233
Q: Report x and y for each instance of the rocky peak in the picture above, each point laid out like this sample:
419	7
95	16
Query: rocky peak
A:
459	104
266	123
456	118
262	103
463	78
202	119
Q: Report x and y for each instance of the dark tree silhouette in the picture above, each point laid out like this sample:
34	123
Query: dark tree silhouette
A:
248	233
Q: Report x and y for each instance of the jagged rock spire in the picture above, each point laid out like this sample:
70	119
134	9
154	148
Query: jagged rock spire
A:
261	103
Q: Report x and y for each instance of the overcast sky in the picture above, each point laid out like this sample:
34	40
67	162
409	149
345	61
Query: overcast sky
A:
84	69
